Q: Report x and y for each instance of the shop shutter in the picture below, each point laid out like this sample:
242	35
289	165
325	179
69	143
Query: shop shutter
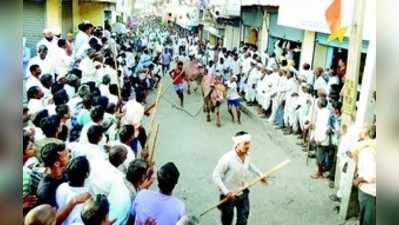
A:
33	22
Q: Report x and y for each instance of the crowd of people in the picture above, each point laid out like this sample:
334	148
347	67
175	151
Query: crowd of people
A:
84	145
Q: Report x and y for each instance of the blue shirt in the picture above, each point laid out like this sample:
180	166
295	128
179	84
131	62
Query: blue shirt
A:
166	58
164	209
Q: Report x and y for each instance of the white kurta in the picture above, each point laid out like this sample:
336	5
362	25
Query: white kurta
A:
322	126
320	83
46	65
291	87
62	62
51	46
250	90
81	39
88	70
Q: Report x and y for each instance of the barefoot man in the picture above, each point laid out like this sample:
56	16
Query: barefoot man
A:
232	173
178	75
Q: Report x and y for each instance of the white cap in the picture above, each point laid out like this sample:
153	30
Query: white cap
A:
46	31
56	30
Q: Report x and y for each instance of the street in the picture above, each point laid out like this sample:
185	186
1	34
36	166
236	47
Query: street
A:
271	82
291	197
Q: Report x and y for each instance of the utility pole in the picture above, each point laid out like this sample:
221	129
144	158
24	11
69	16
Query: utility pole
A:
348	201
353	61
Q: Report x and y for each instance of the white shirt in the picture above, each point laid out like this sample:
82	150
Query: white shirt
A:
292	87
367	169
61	61
31	82
321	126
83	134
232	92
35	105
320	83
92	152
129	157
46	65
253	77
63	195
113	99
70	91
106	179
232	174
81	39
262	85
104	90
73	103
134	113
246	65
112	74
51	46
235	67
333	80
308	76
88	70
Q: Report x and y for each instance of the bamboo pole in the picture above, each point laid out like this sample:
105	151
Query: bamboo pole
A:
152	126
117	69
153	144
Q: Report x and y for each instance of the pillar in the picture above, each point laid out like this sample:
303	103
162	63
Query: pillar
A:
53	15
308	46
76	14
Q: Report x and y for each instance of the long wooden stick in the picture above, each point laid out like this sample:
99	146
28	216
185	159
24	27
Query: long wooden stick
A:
152	119
153	143
266	174
117	68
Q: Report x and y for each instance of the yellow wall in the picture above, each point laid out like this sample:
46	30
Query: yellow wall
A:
212	39
320	56
53	8
93	12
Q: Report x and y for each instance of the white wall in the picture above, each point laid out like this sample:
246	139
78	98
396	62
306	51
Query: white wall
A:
309	15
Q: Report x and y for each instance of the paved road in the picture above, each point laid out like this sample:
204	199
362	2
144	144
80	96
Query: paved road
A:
194	145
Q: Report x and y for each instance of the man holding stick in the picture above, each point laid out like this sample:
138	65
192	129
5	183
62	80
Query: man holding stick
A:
231	174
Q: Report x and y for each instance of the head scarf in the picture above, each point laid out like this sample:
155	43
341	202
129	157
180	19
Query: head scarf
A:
241	139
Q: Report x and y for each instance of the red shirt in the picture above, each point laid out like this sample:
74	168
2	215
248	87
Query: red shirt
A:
177	78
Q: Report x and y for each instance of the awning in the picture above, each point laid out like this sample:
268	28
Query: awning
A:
213	31
260	2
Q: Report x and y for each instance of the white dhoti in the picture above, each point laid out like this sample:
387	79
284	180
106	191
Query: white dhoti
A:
288	104
265	101
276	101
250	93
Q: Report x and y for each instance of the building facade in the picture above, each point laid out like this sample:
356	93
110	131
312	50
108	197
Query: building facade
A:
63	15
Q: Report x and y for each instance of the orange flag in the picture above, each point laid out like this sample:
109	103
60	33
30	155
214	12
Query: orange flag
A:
333	15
